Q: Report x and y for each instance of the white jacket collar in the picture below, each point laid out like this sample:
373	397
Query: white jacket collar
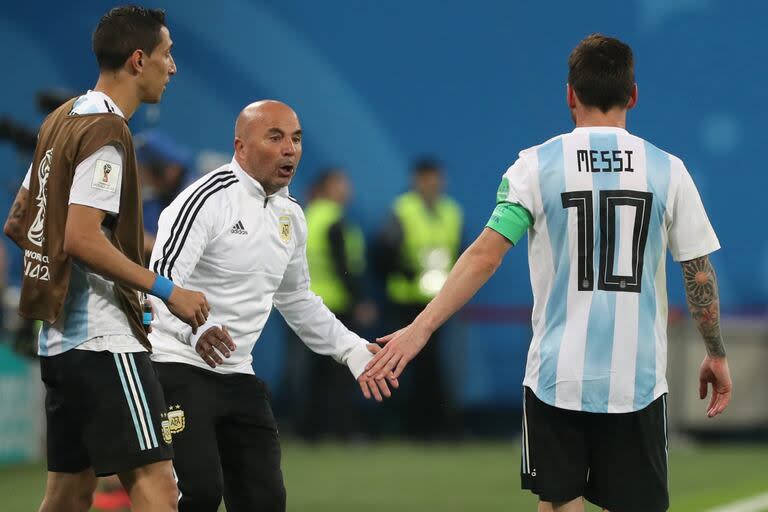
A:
252	185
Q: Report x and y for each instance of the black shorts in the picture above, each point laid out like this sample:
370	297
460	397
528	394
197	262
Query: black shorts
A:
104	411
225	440
616	461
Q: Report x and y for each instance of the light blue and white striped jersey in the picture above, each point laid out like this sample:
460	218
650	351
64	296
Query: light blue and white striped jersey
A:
91	318
605	206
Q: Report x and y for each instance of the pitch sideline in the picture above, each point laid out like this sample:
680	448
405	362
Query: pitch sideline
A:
757	503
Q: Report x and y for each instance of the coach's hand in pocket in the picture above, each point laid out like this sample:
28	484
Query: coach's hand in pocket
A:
213	344
377	388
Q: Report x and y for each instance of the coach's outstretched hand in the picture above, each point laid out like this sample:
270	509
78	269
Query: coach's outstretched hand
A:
714	370
189	306
213	344
373	387
401	347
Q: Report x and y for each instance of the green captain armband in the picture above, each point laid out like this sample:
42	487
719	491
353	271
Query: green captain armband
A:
510	220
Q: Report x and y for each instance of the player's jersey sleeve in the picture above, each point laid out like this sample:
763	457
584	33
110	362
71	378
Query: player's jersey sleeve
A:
98	179
690	233
512	216
27	177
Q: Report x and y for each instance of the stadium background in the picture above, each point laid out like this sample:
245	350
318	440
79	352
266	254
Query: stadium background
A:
378	83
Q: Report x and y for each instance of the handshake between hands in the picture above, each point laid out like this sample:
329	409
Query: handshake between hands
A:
380	373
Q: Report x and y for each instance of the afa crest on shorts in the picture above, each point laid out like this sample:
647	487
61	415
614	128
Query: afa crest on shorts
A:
176	419
285	228
165	428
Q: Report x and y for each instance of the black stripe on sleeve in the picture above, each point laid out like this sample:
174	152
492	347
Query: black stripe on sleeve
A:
181	216
200	204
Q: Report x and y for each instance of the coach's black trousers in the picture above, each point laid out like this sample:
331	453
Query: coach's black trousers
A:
225	440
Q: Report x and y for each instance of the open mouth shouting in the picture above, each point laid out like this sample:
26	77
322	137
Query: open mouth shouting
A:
285	170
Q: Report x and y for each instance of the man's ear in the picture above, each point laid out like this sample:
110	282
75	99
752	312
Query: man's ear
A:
136	61
570	96
632	98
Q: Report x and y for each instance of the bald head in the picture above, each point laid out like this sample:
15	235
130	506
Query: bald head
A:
264	111
268	143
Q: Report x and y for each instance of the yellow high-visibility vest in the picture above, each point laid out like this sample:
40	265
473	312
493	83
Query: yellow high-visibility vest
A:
321	214
431	239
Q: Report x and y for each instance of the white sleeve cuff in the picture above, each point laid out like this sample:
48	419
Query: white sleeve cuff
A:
357	359
200	331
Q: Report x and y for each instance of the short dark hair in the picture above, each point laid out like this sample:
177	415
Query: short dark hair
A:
426	164
601	71
124	30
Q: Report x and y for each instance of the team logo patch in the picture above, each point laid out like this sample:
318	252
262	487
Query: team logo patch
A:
176	418
285	228
106	176
165	426
36	233
239	229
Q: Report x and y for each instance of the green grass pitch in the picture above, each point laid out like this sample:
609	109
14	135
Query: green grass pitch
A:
464	477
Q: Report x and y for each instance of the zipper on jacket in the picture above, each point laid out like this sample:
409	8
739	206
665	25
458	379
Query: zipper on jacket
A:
266	199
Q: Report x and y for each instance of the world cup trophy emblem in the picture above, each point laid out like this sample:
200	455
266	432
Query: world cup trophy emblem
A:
36	233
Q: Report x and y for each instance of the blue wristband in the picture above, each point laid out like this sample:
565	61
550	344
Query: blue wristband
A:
162	288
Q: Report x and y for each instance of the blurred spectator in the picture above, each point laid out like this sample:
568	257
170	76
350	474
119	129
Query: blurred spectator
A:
164	166
336	258
414	252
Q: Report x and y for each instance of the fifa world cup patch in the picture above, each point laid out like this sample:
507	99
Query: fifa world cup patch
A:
106	176
176	419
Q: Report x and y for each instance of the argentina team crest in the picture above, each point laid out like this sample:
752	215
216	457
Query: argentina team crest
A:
165	428
285	228
176	419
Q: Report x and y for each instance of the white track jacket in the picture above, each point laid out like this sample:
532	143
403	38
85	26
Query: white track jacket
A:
246	251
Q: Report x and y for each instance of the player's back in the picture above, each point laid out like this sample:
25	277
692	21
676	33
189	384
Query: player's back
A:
605	205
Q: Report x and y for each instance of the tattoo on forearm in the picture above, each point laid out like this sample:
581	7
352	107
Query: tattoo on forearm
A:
13	225
704	302
17	211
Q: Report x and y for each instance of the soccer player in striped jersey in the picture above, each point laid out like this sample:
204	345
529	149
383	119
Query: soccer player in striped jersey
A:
600	207
78	219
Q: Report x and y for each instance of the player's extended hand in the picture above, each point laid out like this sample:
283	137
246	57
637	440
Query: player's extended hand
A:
376	388
401	347
189	306
715	370
213	344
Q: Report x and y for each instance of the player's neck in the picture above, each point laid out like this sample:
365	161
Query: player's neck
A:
122	92
595	117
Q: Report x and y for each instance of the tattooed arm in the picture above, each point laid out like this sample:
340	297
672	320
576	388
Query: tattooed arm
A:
13	228
704	304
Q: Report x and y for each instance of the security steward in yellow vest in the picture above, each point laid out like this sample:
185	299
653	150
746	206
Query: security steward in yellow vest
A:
415	252
336	258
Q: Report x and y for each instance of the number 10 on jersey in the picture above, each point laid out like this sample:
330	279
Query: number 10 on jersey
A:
609	200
